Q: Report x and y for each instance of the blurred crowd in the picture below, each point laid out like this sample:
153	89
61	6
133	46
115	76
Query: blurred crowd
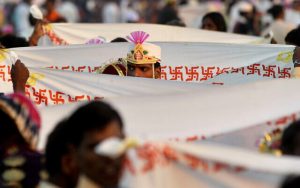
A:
269	18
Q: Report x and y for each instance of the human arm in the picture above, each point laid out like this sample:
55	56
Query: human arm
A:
19	76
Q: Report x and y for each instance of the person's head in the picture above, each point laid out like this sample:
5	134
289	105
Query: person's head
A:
119	39
143	59
168	13
32	20
114	67
214	21
277	12
11	41
176	22
246	9
290	141
90	125
60	164
291	181
20	122
296	5
50	5
9	131
183	2
293	37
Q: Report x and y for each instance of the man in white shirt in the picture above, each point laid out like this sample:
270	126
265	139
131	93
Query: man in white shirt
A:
21	19
280	28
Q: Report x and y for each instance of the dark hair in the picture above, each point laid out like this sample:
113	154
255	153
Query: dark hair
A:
183	2
276	10
176	22
8	130
32	20
218	19
293	37
93	116
291	181
56	147
11	41
8	126
289	138
167	14
119	39
157	65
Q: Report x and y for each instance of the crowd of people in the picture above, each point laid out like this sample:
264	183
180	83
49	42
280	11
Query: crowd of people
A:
257	17
70	159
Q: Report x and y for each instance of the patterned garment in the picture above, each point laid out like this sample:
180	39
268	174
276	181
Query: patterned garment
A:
24	114
20	164
21	168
